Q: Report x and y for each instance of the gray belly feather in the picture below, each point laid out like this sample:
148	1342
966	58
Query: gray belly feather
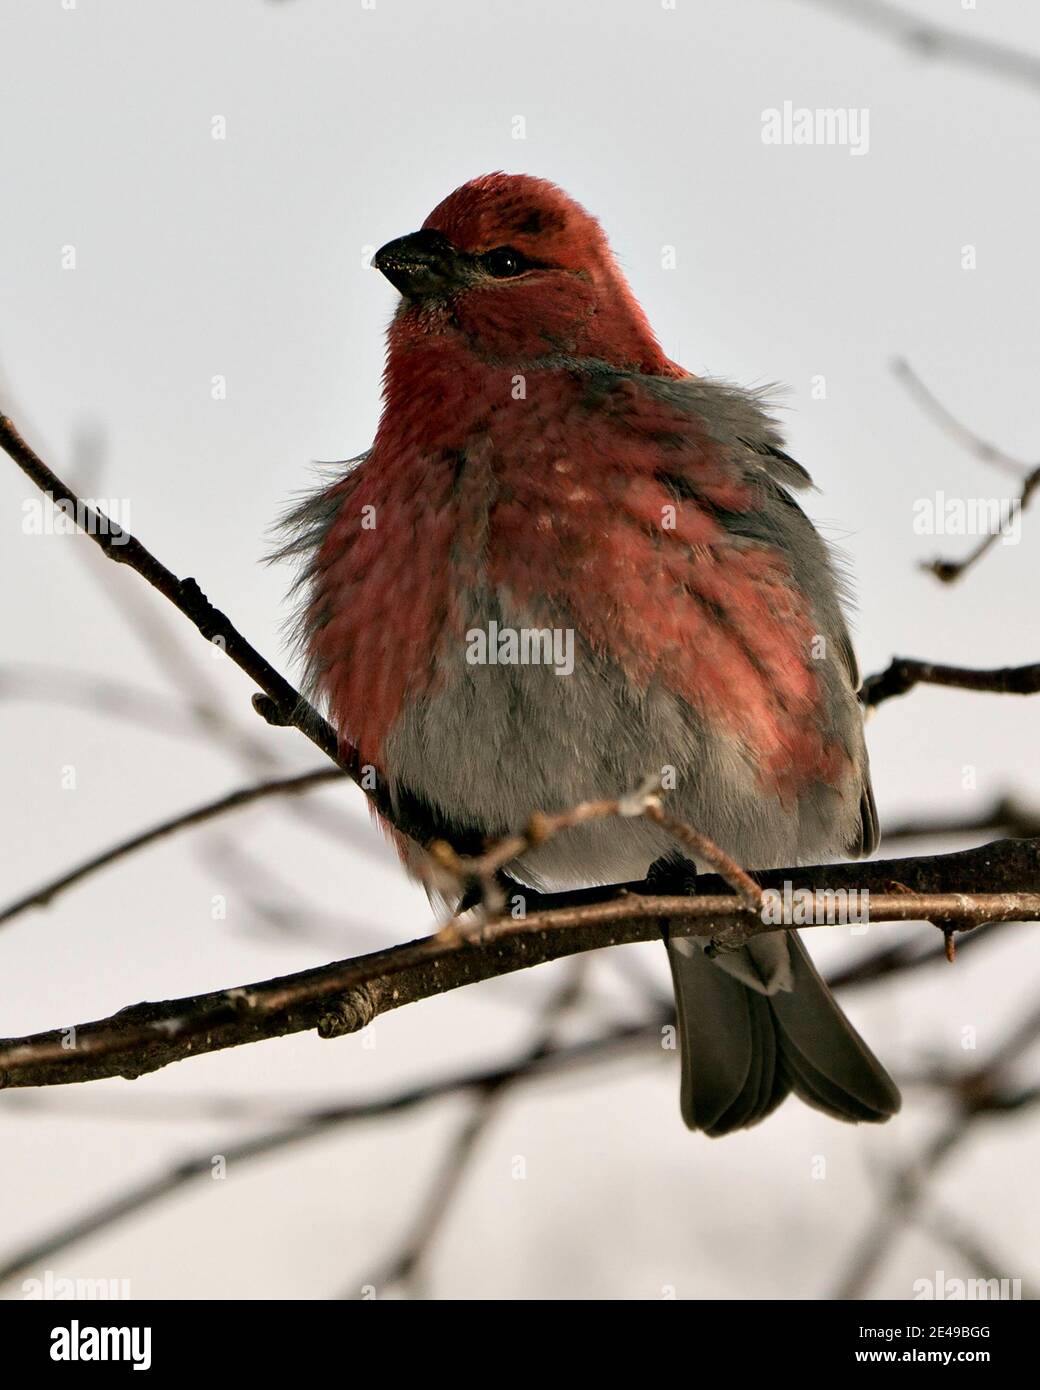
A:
495	743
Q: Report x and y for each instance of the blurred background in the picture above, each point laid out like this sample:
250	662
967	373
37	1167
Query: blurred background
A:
189	320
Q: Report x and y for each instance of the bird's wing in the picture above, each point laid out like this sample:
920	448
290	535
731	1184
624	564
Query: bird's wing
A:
657	512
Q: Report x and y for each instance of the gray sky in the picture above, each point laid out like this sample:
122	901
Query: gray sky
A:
244	258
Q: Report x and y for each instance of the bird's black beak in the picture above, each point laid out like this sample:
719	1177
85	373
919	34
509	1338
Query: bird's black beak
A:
424	264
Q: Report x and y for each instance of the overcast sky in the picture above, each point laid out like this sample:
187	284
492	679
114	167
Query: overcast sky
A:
141	258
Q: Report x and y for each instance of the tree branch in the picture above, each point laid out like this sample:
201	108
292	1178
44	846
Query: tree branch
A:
233	801
930	403
1006	816
405	1265
903	673
528	1067
998	882
117	544
947	571
938	41
984	1092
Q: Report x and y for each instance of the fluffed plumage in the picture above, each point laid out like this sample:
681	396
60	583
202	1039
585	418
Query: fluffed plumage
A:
541	465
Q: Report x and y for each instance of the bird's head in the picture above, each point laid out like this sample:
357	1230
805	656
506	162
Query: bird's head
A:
522	271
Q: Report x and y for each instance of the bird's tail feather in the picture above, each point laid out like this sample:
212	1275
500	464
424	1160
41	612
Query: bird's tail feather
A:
744	1049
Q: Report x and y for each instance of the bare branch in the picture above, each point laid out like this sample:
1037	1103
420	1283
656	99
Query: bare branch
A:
929	402
945	1227
902	957
405	1267
939	42
153	626
1007	816
956	891
643	803
198	815
904	673
979	1094
100	695
185	595
617	1042
950	570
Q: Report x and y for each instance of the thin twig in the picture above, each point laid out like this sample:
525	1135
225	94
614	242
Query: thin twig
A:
708	852
100	695
618	1042
944	1227
185	595
938	41
947	571
277	905
903	957
904	673
405	1267
151	624
930	403
1006	816
981	1093
198	815
645	802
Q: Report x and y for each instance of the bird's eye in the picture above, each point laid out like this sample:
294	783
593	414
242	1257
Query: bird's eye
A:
503	262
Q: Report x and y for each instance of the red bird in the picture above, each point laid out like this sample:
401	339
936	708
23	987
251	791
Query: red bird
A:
566	564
